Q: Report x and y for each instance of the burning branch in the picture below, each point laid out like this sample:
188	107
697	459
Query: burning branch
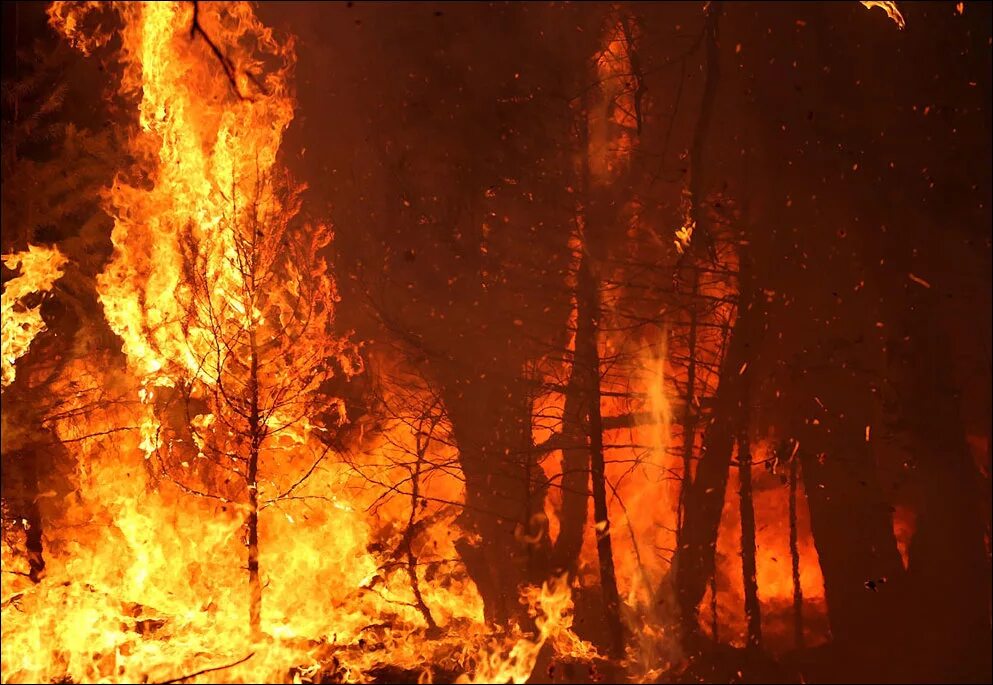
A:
213	669
227	64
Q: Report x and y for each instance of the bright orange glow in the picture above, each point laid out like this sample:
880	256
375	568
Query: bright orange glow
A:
773	564
904	525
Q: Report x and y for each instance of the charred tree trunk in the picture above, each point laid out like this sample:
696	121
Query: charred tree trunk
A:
20	494
798	638
533	530
949	567
698	172
408	540
256	434
484	408
753	609
575	449
575	472
587	365
702	497
714	624
34	459
690	410
252	524
853	535
588	306
693	564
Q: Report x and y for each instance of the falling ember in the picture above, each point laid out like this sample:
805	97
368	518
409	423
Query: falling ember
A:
39	268
497	342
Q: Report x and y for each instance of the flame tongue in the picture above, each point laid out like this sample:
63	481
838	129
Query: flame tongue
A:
891	9
40	267
513	660
206	149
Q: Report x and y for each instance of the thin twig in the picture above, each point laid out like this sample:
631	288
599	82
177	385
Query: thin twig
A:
207	670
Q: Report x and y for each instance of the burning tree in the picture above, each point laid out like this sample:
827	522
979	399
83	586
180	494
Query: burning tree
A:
445	273
261	351
224	305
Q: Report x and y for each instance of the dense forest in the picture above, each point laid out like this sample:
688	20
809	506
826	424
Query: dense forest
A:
496	342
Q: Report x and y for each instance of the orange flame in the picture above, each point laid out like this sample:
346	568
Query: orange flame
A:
512	661
892	11
40	267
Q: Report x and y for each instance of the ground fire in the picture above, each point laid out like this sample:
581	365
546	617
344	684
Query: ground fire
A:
496	342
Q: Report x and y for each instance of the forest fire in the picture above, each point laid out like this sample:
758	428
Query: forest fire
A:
535	342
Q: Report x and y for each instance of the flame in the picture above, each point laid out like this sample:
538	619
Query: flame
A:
40	267
513	660
207	151
613	113
684	234
659	402
892	11
904	527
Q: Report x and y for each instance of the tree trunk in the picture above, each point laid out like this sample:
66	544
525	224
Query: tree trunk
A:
693	563
485	407
534	523
702	497
408	540
853	535
798	638
20	494
575	458
690	414
949	571
256	433
714	624
575	482
753	609
254	582
32	519
588	315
